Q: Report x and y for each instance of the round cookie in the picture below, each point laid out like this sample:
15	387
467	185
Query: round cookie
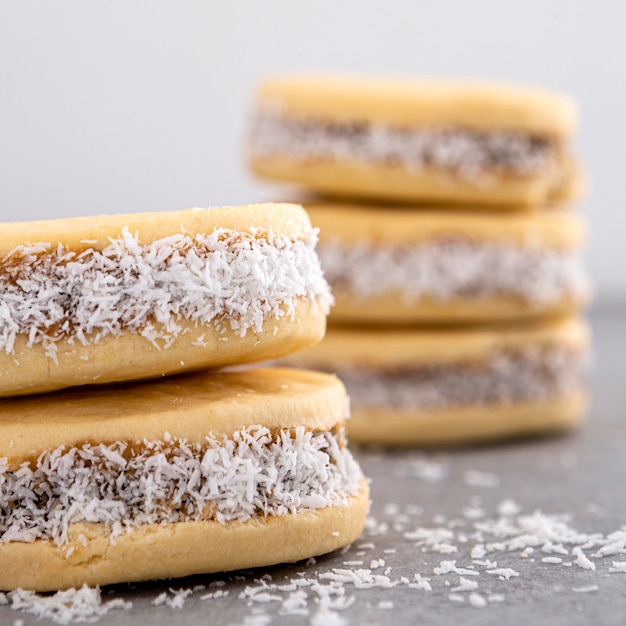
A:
395	266
190	474
432	387
121	297
411	140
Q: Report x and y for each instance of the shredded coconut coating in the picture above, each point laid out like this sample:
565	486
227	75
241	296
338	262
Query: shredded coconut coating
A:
453	268
505	377
225	279
123	487
467	152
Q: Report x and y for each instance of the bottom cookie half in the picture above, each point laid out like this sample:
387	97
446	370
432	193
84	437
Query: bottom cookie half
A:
159	551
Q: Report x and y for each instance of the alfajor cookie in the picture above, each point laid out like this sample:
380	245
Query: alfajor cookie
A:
449	387
121	297
190	474
392	266
415	140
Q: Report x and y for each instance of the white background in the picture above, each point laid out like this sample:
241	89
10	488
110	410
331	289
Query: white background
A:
127	105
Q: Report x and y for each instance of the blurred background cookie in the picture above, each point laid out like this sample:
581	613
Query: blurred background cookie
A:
406	266
412	139
445	210
458	386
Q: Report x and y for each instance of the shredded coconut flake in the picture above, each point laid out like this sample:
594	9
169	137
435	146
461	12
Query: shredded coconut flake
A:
504	573
477	601
478	551
581	560
425	469
508	508
465	584
476	478
327	617
447	567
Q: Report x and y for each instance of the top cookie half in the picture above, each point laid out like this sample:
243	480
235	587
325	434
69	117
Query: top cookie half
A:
121	297
410	140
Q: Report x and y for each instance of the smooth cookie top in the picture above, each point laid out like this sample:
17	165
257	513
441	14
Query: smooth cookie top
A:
421	102
345	347
358	223
187	407
80	233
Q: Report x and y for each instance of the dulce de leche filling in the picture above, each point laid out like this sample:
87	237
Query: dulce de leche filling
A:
469	153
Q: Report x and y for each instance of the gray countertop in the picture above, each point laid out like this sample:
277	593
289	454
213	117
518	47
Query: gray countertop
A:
430	509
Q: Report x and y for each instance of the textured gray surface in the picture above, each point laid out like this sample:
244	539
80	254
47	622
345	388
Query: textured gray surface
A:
581	475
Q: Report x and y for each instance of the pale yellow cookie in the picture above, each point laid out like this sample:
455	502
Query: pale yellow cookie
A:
410	139
191	474
398	266
455	387
121	297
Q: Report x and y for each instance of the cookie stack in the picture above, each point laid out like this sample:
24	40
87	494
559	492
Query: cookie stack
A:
447	237
196	471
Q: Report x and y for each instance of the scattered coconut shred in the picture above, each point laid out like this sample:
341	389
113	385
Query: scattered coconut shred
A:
63	607
467	574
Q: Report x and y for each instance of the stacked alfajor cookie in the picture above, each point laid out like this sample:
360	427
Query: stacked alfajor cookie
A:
197	471
448	240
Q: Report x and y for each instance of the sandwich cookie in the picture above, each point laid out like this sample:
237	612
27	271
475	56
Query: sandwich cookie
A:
391	266
454	387
121	297
190	474
412	140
